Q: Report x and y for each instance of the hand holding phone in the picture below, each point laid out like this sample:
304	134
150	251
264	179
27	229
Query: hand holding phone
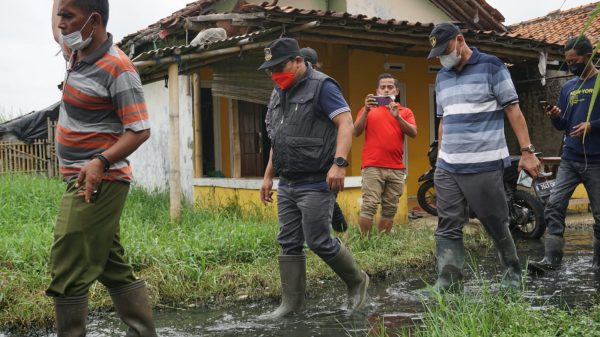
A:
383	100
551	110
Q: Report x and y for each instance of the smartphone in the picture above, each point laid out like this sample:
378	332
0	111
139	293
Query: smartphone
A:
544	105
383	100
524	179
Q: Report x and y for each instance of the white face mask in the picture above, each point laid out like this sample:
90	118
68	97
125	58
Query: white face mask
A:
75	41
450	60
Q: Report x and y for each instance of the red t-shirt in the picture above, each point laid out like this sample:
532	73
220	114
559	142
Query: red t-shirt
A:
384	139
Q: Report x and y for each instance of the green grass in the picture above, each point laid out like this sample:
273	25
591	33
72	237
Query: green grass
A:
215	256
499	314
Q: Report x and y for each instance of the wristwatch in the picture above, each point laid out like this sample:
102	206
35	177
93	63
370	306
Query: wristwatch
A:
340	161
103	159
528	148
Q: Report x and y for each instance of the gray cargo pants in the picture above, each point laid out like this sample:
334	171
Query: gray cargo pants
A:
482	192
305	214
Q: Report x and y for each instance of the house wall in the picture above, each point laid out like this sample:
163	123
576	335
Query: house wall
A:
543	135
151	161
363	69
411	10
243	193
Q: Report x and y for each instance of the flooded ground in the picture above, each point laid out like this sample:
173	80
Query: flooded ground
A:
396	300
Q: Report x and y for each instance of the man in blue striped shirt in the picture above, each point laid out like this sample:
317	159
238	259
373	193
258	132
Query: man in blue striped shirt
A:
474	91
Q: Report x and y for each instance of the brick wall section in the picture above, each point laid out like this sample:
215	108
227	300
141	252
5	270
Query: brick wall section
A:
541	132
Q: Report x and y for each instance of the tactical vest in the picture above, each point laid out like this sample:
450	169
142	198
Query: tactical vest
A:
304	138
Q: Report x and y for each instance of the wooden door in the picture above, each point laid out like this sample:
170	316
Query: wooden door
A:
253	139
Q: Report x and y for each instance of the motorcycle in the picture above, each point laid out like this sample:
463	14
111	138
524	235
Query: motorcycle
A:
526	210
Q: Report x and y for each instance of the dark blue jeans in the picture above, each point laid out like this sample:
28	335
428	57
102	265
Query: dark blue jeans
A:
305	215
570	174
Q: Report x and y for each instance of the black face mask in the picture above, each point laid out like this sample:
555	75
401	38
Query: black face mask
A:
577	68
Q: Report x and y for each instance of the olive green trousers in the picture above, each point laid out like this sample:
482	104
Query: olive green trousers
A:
86	244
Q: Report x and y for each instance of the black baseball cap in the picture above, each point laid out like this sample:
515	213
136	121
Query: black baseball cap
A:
279	51
440	36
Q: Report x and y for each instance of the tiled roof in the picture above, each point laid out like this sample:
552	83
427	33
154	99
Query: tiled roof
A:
490	18
478	14
359	27
558	26
192	9
263	23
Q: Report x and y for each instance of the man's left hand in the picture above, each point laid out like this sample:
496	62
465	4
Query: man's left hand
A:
90	177
580	129
530	163
335	178
393	109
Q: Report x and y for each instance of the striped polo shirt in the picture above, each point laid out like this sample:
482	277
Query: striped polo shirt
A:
471	104
102	98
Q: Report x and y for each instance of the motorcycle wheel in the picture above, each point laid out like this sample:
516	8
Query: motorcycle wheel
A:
426	197
527	216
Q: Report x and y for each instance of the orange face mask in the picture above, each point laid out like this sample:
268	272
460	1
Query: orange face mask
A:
284	79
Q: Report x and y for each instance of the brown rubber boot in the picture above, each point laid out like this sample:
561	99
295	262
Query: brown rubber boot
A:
133	306
365	225
292	270
357	281
385	225
71	315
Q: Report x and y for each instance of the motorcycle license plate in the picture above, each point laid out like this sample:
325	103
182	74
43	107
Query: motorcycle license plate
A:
543	189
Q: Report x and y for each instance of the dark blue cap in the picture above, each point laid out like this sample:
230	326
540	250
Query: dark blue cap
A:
440	36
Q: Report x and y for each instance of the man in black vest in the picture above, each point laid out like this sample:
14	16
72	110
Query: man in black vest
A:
312	133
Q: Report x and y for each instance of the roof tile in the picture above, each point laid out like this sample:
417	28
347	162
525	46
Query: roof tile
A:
558	26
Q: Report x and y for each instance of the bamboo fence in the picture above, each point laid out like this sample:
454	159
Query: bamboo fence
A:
38	157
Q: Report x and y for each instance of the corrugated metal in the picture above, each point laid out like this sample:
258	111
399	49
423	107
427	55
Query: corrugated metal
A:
238	79
228	42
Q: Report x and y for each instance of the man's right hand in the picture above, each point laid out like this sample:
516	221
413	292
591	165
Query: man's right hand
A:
266	193
530	163
370	102
553	111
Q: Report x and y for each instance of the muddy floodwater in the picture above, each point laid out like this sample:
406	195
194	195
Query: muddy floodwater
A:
394	299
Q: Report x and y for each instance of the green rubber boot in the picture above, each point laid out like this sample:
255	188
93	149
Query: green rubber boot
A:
450	255
133	307
553	254
357	281
507	252
596	259
292	270
71	315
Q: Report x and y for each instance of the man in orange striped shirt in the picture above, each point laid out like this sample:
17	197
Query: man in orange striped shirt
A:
103	119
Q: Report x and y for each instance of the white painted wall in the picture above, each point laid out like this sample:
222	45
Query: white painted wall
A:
409	10
151	161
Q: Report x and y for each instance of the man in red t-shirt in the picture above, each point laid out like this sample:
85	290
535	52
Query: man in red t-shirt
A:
385	123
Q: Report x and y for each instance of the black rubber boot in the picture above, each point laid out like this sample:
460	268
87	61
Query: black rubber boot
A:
596	259
507	252
292	270
338	221
71	315
357	281
450	255
134	309
553	254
